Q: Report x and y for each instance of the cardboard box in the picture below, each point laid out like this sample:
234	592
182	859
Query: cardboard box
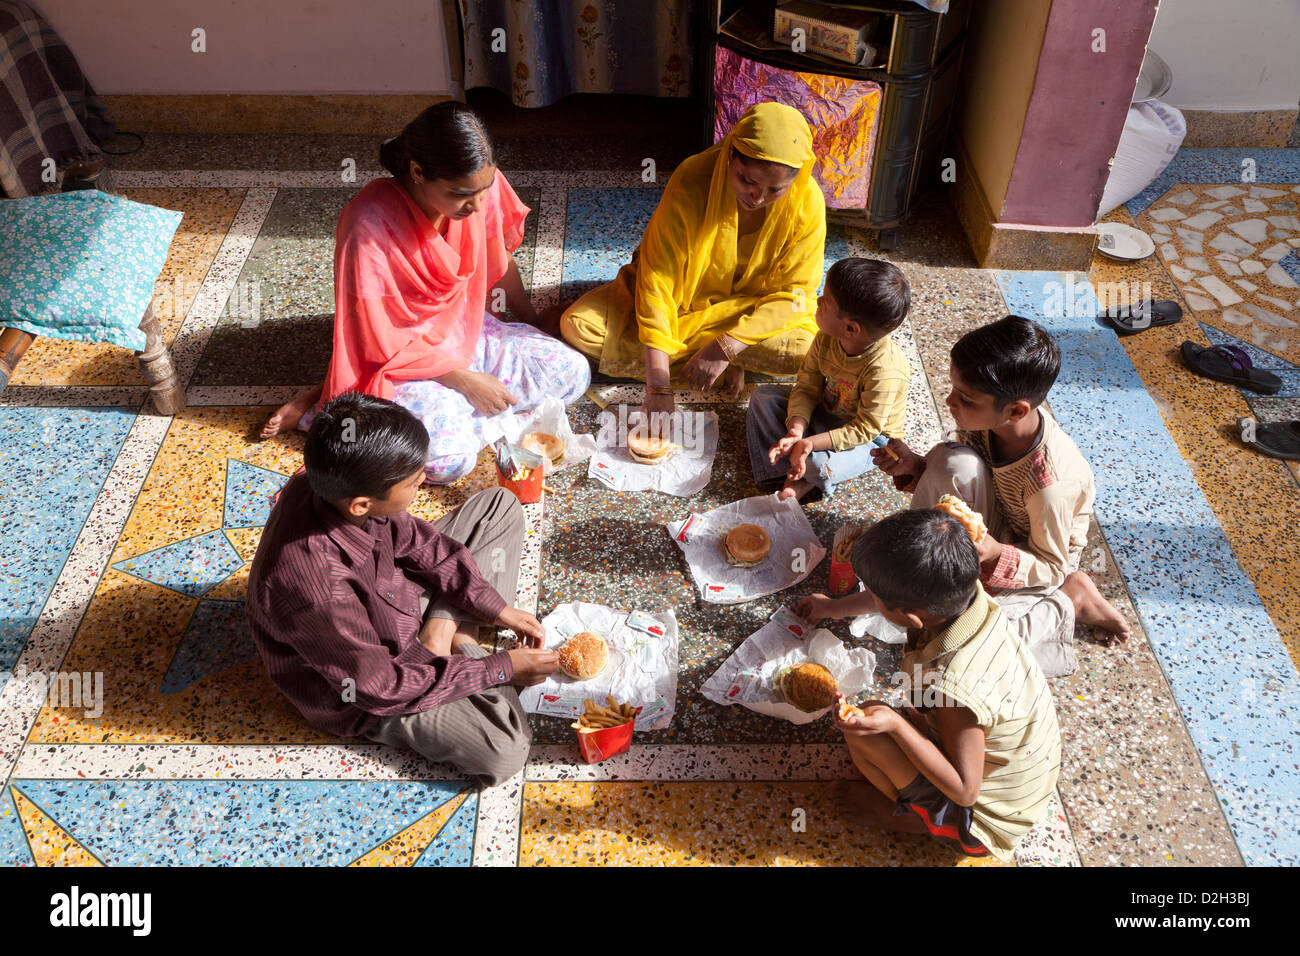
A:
831	32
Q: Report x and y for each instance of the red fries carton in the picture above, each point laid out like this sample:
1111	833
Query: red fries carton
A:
598	745
528	491
843	580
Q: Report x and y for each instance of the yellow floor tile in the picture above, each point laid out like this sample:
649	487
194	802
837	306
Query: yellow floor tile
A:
708	824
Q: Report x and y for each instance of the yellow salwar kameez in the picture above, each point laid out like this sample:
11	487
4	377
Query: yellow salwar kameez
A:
694	278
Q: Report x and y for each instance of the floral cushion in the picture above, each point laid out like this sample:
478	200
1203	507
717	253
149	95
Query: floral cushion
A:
81	265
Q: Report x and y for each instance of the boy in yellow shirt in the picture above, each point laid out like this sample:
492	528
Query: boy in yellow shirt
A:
973	754
851	389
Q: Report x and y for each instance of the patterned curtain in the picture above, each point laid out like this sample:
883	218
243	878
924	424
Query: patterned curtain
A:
538	51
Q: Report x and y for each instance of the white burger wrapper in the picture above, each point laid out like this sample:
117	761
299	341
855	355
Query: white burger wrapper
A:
551	418
748	676
795	549
875	625
642	668
686	471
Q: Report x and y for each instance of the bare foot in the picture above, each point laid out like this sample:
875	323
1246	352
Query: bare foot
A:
1091	608
287	416
733	382
797	489
862	805
548	320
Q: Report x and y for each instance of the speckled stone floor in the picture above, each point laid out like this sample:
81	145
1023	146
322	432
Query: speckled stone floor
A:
130	571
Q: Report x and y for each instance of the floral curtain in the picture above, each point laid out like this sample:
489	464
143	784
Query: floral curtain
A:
538	51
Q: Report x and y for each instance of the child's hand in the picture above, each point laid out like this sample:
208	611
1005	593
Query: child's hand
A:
816	607
989	549
528	628
781	448
877	717
799	453
904	465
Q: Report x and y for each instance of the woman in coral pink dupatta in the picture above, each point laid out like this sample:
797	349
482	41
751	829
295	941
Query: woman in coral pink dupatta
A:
415	257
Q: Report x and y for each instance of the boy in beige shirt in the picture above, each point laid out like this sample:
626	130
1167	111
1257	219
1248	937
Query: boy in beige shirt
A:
973	752
851	389
1014	465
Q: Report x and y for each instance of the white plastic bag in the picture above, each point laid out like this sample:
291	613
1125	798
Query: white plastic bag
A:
1152	135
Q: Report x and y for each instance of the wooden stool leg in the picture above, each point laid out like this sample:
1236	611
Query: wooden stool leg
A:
156	363
13	343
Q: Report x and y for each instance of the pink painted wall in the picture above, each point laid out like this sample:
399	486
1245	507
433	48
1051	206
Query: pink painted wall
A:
1077	111
255	46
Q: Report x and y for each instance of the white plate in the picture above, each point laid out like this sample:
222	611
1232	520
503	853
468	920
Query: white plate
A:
1119	241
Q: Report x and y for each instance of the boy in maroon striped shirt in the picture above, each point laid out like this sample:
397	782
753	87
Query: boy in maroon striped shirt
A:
367	617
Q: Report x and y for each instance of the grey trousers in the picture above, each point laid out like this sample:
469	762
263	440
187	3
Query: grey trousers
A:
1043	617
486	734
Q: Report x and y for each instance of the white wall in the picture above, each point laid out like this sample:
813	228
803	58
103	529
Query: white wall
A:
255	46
1230	54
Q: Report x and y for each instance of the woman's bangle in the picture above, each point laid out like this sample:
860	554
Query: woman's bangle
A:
659	389
721	341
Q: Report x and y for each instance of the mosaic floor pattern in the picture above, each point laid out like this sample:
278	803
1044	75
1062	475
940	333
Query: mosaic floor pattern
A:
129	572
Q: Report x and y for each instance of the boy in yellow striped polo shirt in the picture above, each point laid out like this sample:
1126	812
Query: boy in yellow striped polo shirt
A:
974	755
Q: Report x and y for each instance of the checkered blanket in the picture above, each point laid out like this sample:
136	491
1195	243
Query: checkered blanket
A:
47	109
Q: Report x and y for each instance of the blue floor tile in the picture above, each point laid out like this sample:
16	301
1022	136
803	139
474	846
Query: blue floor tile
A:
454	844
1233	680
53	463
216	640
248	494
234	823
192	567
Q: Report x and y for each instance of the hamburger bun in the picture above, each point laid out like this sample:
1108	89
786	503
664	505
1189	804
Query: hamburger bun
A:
747	545
648	449
972	521
584	655
810	687
546	444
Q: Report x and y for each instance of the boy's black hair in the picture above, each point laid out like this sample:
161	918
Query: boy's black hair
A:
361	446
872	292
918	561
1010	359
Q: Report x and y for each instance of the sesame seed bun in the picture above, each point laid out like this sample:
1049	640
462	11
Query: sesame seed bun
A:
584	655
809	686
747	545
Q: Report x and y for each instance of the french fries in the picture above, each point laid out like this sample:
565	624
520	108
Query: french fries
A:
603	716
843	549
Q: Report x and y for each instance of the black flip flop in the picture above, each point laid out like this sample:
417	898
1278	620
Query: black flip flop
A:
1132	319
1275	439
1227	363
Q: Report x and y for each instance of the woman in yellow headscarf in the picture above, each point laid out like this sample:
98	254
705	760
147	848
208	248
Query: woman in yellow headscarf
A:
727	272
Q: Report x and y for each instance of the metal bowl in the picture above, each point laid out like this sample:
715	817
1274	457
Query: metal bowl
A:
1154	79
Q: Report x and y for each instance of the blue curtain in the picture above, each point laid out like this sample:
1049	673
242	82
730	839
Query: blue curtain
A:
538	51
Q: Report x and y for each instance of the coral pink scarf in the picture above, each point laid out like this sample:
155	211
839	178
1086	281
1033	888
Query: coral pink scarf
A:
409	302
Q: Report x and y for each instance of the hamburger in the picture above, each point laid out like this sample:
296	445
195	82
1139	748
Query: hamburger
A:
972	521
747	545
584	655
648	449
809	686
546	444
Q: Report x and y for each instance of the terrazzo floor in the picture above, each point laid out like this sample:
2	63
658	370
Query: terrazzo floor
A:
128	573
